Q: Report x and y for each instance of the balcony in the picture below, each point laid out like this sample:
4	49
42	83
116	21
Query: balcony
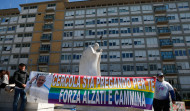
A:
46	37
166	44
44	49
47	27
50	9
49	17
164	32
161	20
168	58
171	71
160	9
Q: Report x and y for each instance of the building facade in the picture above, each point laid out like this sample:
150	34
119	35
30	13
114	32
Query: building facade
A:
138	38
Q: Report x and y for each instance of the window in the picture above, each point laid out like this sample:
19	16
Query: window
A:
67	45
90	12
112	10
127	54
2	38
13	19
102	42
186	27
125	30
11	28
26	45
136	19
3	29
141	67
17	45
43	59
148	18
163	30
67	34
52	5
153	53
153	67
104	55
146	8
138	41
8	38
90	32
75	68
79	33
183	5
124	20
126	42
172	16
184	15
182	65
101	21
33	7
28	35
114	55
113	42
6	48
150	29
24	56
69	23
13	67
31	15
175	27
167	55
171	6
29	25
113	20
88	43
24	16
114	68
113	31
26	8
177	40
15	56
138	30
69	13
140	54
135	8
187	39
90	22
66	57
101	11
169	68
78	44
79	12
128	67
79	22
180	52
76	56
20	35
123	9
104	67
65	68
22	25
101	31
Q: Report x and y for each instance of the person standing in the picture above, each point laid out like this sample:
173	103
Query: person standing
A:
4	78
161	96
20	79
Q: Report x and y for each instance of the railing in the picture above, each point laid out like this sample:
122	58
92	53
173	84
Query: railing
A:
170	57
46	37
44	49
169	43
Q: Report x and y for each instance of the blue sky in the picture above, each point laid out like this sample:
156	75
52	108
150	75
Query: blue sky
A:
5	4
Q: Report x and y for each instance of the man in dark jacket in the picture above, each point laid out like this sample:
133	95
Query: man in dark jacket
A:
20	79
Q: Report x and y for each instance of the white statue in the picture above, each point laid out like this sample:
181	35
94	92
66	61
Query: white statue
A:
90	61
90	65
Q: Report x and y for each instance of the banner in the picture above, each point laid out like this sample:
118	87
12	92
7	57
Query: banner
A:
136	92
178	106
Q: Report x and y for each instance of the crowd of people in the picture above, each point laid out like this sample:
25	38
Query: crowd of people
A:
163	89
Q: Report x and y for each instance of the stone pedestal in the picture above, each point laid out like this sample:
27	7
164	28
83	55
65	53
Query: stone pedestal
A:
6	103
